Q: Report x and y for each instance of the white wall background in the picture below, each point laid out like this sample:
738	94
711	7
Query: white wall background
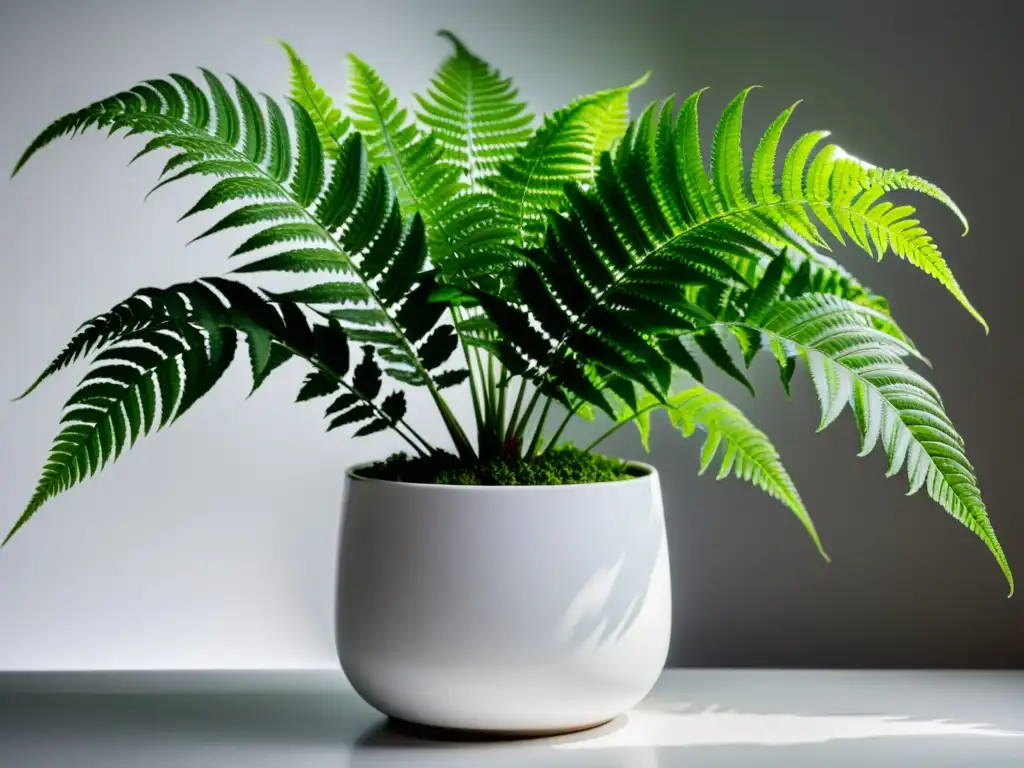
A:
212	544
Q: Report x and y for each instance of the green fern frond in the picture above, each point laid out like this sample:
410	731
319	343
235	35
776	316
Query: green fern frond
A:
292	182
80	121
821	274
853	364
331	125
663	201
126	317
413	160
147	380
295	195
890	179
426	180
172	349
474	113
664	250
530	352
565	149
746	453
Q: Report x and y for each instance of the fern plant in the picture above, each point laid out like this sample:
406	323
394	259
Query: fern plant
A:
578	264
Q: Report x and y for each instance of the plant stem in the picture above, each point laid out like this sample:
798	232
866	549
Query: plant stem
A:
502	398
510	425
462	444
429	448
619	424
457	319
485	400
489	378
539	431
527	413
562	426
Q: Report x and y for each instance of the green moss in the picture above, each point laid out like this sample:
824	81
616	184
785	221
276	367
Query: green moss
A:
564	466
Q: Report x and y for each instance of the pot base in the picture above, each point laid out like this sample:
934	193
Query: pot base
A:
437	733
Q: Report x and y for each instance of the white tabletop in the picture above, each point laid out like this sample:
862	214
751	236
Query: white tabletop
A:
307	719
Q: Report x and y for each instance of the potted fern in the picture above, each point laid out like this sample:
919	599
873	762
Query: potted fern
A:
585	267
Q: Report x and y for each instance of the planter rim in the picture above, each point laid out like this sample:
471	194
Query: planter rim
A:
648	470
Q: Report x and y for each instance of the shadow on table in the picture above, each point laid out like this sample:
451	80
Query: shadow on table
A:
797	724
280	725
324	718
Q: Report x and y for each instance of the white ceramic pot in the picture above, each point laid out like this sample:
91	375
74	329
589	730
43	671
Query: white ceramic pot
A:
520	610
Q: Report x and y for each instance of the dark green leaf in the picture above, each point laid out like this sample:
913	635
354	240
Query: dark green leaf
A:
712	346
624	389
377	425
277	356
327	293
297	331
330	347
279	164
228	124
374	205
198	106
255	146
767	289
341	403
280	234
300	260
419	313
357	414
236	188
438	347
317	384
384	248
394	406
447	379
248	304
308	180
366	378
407	264
253	214
348	179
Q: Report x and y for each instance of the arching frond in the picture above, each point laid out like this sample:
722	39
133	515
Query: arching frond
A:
656	248
279	172
855	365
126	317
745	451
823	275
793	274
149	379
843	193
179	343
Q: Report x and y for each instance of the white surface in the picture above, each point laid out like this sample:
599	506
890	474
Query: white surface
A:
694	718
504	608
